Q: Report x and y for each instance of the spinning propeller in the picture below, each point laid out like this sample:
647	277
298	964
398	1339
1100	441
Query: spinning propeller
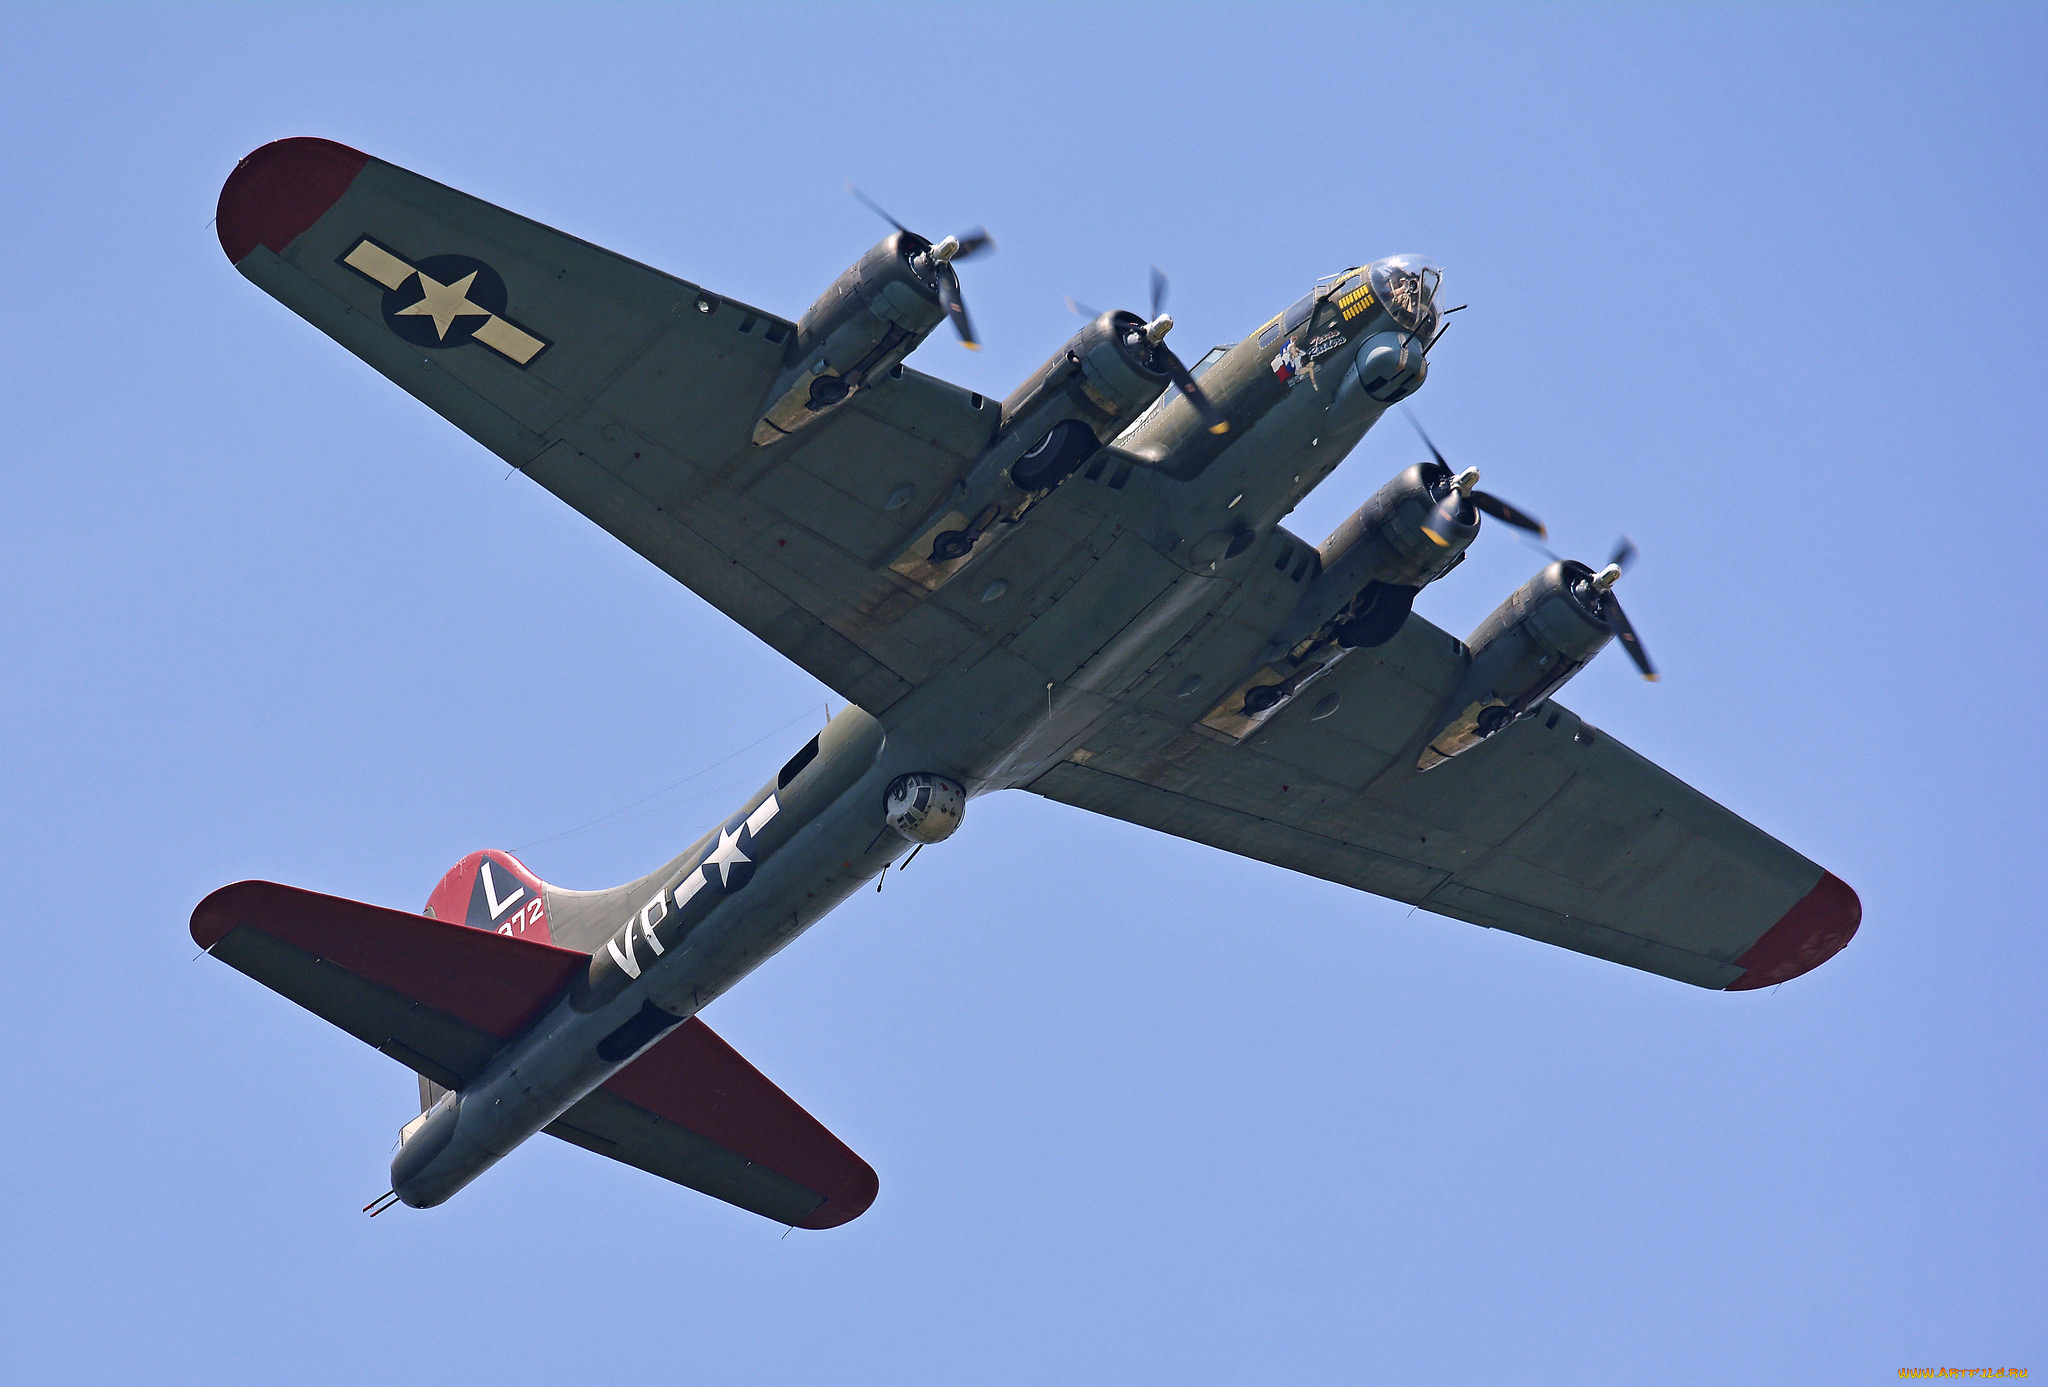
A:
938	261
1597	591
1454	511
1148	340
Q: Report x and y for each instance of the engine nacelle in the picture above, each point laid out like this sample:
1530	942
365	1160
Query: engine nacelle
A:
1374	564
1541	636
1106	375
869	320
1093	388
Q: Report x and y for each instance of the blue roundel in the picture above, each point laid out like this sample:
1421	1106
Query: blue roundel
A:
445	300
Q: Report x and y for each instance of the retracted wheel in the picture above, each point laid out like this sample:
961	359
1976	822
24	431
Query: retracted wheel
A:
1259	697
951	545
1493	719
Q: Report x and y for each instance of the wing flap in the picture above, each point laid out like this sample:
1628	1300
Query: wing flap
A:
692	1110
437	996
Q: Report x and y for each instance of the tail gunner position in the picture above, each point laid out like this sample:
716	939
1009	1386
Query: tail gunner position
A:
1082	590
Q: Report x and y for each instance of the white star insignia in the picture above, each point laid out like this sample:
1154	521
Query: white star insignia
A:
444	303
726	855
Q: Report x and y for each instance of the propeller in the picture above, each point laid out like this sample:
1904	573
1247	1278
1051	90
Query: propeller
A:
938	262
1149	339
1599	591
1454	511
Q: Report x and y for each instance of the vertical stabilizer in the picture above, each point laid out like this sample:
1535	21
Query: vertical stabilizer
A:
493	890
489	890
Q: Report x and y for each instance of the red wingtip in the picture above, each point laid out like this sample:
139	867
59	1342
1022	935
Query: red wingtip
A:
280	190
847	1203
1812	932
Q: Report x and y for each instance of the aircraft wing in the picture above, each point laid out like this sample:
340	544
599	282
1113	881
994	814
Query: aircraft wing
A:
630	394
442	998
1551	829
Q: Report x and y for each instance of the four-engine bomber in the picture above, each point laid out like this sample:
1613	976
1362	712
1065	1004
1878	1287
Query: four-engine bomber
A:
1086	592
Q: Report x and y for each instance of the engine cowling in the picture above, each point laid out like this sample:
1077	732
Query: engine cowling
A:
1541	636
869	320
1376	561
1107	373
1092	389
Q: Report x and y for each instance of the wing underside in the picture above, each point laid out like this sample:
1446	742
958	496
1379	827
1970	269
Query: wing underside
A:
1552	829
629	393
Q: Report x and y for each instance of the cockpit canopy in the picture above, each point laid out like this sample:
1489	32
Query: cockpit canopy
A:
1406	286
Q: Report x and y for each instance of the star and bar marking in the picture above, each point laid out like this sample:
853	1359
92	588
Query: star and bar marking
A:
717	870
447	309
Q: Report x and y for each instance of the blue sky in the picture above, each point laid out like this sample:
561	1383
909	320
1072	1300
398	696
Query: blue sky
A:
1762	288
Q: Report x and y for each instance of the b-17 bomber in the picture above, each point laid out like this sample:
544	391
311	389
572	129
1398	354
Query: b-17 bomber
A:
1083	590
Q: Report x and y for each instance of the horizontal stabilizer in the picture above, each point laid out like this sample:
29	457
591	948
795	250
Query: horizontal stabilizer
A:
693	1111
436	996
442	998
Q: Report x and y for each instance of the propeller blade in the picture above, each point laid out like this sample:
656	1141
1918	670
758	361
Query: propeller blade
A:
956	308
1442	525
1624	552
1426	440
876	208
973	241
1075	305
1630	642
1179	375
1158	290
1508	515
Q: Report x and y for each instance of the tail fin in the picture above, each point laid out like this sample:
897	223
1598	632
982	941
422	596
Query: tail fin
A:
488	890
493	890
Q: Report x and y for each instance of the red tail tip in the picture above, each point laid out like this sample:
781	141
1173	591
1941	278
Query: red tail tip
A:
493	890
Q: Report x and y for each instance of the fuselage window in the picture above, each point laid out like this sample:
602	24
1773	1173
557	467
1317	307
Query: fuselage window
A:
796	764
